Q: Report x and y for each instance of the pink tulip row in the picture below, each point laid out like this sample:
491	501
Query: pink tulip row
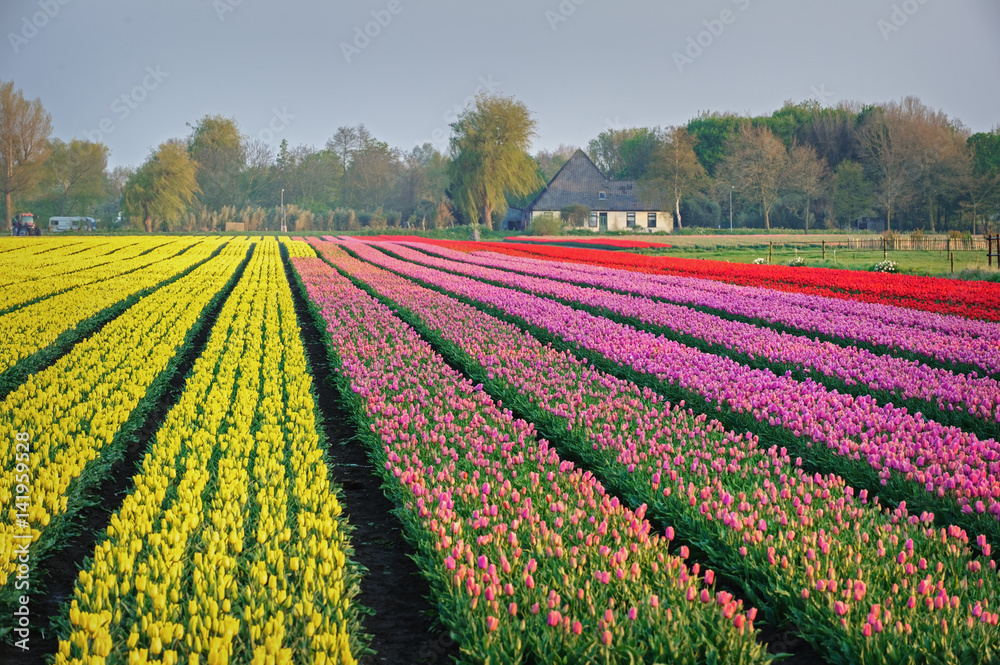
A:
979	396
944	460
949	339
529	558
830	559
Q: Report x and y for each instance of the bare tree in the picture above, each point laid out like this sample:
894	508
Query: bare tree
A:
118	178
886	141
343	144
805	178
755	164
675	171
25	128
914	154
941	157
257	171
550	161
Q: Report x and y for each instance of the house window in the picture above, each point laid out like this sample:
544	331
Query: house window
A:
593	220
651	220
602	195
630	220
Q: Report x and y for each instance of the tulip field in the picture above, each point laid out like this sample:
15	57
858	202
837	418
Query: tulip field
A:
592	456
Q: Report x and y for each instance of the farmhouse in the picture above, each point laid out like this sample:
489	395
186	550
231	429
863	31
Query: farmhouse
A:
614	205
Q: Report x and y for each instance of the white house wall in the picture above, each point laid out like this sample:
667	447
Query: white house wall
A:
618	221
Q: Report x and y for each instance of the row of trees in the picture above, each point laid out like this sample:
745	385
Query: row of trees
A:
216	168
902	161
803	166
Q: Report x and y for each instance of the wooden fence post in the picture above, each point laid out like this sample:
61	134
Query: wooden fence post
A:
885	249
824	250
770	247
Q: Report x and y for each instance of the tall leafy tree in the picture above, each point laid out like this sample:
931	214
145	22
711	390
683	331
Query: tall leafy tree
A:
852	192
308	176
713	132
833	133
163	187
789	122
675	171
25	127
637	153
373	176
424	177
74	174
624	153
489	149
218	148
755	164
982	181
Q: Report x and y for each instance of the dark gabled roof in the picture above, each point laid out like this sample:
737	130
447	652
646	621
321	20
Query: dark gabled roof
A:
579	181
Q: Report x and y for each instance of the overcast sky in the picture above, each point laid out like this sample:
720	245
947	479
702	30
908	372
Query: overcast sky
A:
134	74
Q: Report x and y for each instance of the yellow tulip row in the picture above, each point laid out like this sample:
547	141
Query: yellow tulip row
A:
87	268
25	259
32	260
231	548
73	409
297	248
11	245
35	326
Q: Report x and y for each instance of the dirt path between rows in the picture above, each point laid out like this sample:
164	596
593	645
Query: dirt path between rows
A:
402	627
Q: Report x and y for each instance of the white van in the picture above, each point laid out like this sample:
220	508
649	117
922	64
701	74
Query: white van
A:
57	224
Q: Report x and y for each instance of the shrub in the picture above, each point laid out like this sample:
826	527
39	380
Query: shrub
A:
575	215
886	266
546	224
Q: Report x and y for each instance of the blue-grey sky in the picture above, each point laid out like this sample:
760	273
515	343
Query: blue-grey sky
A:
134	74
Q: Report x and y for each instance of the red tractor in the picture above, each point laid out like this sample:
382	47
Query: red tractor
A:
24	225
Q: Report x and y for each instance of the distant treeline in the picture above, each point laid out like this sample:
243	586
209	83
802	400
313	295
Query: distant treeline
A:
803	166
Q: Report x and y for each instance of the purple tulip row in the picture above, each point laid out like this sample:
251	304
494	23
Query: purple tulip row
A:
949	339
828	554
945	460
528	557
948	390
